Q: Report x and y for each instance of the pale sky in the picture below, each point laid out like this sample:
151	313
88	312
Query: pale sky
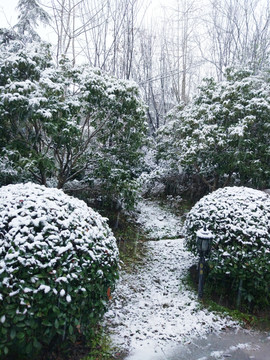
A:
8	14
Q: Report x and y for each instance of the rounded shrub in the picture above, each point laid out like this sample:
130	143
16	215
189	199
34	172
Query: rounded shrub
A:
58	262
239	218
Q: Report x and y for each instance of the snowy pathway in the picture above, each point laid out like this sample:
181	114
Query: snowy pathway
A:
151	308
157	222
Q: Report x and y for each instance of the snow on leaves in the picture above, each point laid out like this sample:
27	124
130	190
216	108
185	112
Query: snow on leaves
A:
239	208
223	134
39	226
63	121
151	305
239	217
53	250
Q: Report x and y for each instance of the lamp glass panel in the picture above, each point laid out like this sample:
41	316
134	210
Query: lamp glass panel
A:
204	244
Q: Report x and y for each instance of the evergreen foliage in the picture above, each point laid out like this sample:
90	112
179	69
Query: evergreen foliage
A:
58	262
68	123
30	14
223	135
239	261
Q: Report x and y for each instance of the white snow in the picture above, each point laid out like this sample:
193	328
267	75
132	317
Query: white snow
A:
30	216
239	219
157	222
151	306
45	288
225	353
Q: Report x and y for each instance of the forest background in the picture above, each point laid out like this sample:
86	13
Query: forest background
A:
128	98
167	50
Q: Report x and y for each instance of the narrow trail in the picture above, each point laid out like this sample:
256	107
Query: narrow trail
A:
152	312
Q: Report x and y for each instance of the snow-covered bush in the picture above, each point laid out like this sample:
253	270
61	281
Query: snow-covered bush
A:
239	218
226	120
151	183
64	123
58	262
160	182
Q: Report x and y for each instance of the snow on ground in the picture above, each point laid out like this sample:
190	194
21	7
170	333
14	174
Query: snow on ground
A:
151	305
157	222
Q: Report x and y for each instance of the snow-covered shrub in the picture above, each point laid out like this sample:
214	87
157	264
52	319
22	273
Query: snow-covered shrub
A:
228	120
159	182
151	183
239	218
58	262
64	123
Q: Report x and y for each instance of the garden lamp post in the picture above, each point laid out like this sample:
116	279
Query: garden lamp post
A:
204	243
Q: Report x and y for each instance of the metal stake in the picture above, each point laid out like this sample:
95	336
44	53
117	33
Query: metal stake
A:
201	276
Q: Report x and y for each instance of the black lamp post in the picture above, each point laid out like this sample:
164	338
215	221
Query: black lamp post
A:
204	243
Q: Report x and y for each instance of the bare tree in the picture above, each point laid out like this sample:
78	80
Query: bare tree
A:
102	32
168	56
238	32
166	65
71	20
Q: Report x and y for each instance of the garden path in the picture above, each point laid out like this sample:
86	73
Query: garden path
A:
152	314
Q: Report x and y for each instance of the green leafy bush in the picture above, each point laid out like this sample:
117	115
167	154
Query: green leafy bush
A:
239	218
221	138
67	124
58	262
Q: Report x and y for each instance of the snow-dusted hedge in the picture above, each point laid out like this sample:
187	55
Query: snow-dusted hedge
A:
227	120
58	261
239	217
